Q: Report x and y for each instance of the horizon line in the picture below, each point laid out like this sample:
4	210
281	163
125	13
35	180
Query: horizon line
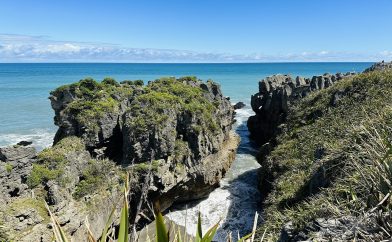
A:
266	62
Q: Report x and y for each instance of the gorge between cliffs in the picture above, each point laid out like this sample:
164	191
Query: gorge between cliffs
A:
182	144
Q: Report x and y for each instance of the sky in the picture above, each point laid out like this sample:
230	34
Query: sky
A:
195	31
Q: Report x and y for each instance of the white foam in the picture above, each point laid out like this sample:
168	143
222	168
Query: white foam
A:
41	138
235	202
243	114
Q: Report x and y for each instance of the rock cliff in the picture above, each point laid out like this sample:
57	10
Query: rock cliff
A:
172	136
319	164
59	176
271	103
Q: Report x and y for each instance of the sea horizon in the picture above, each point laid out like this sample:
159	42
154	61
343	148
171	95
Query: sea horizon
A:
29	116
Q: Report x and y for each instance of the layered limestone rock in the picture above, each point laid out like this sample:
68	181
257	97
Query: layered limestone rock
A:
173	134
271	103
309	146
27	184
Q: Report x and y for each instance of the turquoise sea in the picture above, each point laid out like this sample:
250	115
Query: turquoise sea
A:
25	112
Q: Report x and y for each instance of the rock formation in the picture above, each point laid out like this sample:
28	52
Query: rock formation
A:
271	103
379	66
26	185
173	136
310	144
239	105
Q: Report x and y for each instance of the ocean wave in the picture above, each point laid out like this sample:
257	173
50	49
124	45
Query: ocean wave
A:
243	114
41	138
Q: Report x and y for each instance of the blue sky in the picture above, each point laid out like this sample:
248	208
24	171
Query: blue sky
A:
195	31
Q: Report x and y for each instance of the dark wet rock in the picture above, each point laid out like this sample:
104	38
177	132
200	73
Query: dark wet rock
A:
24	143
239	105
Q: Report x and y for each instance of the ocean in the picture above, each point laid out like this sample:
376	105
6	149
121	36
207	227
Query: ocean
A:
25	114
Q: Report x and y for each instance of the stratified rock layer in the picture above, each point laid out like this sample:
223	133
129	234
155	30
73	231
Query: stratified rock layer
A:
271	103
173	134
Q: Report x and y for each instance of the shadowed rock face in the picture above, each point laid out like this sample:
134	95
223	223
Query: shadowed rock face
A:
272	102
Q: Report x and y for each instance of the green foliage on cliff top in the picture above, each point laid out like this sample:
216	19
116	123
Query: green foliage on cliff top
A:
333	159
165	94
51	161
93	99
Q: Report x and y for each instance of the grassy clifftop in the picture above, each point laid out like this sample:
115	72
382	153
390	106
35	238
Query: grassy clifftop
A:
333	161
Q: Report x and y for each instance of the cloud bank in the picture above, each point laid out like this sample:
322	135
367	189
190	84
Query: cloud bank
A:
25	48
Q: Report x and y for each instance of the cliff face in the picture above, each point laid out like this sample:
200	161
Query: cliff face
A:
271	103
135	124
322	178
65	177
173	134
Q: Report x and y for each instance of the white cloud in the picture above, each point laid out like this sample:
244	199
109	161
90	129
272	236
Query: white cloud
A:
25	48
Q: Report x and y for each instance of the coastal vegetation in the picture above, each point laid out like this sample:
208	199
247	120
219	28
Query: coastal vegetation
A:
333	161
51	161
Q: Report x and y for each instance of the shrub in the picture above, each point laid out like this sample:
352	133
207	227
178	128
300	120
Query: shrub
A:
131	83
8	167
94	177
41	174
110	81
51	161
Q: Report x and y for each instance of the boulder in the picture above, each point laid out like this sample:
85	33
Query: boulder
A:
239	105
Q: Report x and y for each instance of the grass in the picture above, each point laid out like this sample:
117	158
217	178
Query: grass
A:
167	95
51	161
94	176
330	161
8	167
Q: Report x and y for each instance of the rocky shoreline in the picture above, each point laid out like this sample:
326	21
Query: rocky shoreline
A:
320	177
173	136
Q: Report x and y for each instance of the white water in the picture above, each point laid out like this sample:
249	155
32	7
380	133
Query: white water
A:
235	201
41	138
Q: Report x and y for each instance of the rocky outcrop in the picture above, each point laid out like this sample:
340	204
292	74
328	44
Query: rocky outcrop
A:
173	134
112	120
239	105
302	170
271	103
22	202
379	66
15	166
